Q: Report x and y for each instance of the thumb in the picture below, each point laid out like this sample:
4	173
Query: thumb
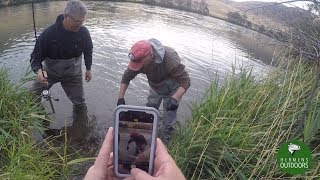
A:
139	174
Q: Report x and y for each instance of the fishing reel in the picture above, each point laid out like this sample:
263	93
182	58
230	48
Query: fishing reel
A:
46	94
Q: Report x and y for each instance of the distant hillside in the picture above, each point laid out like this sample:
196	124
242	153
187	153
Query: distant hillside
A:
269	14
220	8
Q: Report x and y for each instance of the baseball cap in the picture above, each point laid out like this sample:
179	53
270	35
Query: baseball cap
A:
138	51
134	133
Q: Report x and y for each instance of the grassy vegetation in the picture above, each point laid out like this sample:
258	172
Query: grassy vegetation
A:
20	156
234	132
236	129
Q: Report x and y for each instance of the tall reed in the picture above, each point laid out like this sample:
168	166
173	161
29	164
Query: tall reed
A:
236	129
21	156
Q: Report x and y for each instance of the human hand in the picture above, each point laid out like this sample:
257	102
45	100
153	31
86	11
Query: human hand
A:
121	101
164	167
103	166
42	77
88	76
172	104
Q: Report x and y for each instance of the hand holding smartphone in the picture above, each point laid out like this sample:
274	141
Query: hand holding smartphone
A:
165	167
135	132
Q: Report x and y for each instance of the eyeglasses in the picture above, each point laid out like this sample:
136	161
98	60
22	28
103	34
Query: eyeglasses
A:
76	21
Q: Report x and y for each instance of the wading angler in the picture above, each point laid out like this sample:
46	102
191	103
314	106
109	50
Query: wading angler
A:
58	54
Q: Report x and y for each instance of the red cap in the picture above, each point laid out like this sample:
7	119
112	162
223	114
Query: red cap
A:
138	51
133	134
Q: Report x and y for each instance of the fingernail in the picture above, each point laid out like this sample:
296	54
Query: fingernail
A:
134	171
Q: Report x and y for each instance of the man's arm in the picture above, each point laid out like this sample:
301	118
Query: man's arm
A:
179	93
127	76
87	52
123	88
177	71
130	140
39	52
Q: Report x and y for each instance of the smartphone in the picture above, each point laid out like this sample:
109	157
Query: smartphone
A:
135	132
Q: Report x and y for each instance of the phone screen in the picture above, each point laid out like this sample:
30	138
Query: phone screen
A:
135	132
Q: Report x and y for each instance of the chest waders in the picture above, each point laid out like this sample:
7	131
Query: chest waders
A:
69	74
163	91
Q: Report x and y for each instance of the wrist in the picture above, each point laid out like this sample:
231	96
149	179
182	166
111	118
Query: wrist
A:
175	97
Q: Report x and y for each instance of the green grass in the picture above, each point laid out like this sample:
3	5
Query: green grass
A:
235	130
20	156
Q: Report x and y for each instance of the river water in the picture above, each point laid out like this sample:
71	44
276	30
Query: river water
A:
208	48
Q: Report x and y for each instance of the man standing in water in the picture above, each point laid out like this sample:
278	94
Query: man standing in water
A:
61	46
166	75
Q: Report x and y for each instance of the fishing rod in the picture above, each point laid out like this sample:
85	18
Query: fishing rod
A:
34	22
46	94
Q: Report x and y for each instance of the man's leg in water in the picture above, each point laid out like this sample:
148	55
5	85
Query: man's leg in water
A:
73	87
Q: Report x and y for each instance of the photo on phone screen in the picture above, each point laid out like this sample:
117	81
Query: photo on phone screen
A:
135	141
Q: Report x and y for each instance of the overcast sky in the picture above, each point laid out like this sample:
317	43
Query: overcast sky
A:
298	4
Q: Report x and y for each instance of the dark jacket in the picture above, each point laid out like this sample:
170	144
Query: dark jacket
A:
57	43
